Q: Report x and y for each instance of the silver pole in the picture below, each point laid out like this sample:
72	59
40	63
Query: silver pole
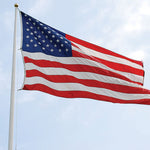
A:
12	96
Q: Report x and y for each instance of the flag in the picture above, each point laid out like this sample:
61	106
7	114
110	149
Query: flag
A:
65	66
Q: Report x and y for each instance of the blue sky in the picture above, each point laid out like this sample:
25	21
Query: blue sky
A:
47	122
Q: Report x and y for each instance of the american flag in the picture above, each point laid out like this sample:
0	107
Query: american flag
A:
65	66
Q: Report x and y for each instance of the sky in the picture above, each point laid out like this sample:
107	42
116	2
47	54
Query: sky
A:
45	122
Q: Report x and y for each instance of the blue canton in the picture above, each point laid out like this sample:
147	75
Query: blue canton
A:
39	37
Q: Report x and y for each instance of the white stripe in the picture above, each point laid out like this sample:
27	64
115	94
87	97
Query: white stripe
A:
107	57
80	87
74	60
79	75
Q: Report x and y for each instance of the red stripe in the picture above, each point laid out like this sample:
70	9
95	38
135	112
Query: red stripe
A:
100	49
82	94
90	83
77	68
113	65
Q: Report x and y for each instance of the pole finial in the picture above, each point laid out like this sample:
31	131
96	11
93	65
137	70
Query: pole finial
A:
16	5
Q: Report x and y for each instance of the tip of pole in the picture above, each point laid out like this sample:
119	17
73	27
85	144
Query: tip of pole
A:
16	5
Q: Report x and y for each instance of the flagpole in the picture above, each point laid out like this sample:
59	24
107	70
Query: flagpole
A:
12	96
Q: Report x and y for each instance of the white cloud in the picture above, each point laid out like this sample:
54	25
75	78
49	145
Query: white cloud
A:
69	111
8	19
41	7
145	8
118	27
47	100
86	8
4	79
138	55
134	23
2	148
25	97
136	20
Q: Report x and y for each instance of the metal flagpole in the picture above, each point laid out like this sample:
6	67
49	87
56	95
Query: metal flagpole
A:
12	96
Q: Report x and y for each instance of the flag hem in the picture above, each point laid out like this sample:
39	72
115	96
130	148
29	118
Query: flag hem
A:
21	22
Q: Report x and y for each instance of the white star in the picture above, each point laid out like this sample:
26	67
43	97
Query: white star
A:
27	22
34	23
39	36
35	38
51	41
62	45
35	32
29	19
66	42
31	40
27	45
52	50
39	43
38	28
27	36
66	50
55	45
31	33
49	32
46	37
43	48
41	24
59	50
47	45
27	29
37	21
43	41
57	40
25	15
53	36
45	27
61	37
35	45
31	27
